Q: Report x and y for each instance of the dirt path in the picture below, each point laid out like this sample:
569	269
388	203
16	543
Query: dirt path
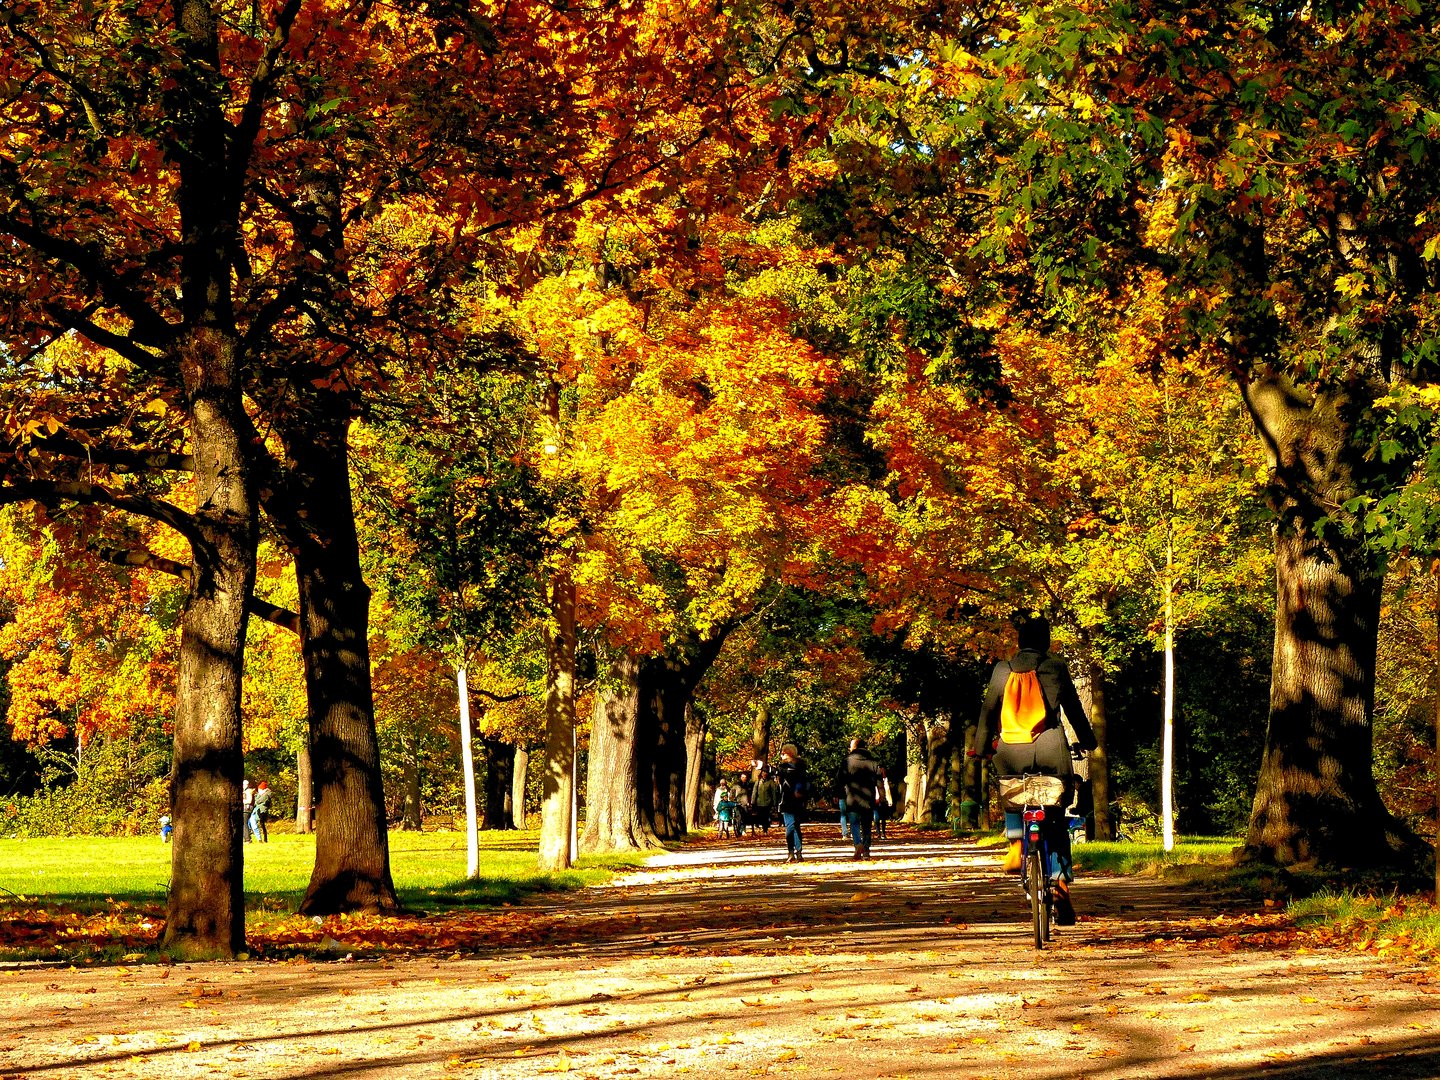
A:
726	961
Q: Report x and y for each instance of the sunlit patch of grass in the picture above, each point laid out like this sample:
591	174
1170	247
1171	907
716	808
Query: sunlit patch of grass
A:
128	877
1144	857
1384	922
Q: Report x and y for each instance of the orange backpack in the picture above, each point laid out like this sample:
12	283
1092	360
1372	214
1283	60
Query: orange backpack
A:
1024	713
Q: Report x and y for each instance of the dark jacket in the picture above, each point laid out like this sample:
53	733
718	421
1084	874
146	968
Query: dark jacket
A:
1055	684
858	780
794	786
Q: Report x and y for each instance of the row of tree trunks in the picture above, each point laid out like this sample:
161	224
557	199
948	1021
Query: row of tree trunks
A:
646	748
499	779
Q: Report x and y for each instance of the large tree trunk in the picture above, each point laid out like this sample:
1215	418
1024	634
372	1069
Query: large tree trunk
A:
1316	800
557	813
304	789
352	849
694	764
499	766
205	912
663	698
667	685
612	816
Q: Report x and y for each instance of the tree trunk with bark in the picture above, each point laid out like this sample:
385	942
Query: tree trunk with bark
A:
411	810
521	773
557	812
663	699
694	764
317	518
667	685
1091	688
1316	801
760	735
937	758
304	790
499	770
205	912
612	817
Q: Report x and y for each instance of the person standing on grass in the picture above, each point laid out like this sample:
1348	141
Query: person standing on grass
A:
794	789
247	804
861	777
260	813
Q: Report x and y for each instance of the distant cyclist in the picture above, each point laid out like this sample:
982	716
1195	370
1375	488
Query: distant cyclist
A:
1020	724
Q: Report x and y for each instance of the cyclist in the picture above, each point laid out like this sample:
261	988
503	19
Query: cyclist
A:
1028	737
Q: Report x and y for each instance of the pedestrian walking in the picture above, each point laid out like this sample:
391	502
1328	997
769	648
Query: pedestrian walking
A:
794	781
260	814
861	777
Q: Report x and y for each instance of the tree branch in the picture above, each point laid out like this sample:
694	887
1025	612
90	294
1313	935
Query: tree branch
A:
247	128
52	492
146	559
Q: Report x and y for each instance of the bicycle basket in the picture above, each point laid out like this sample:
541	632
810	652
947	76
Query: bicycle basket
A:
1018	792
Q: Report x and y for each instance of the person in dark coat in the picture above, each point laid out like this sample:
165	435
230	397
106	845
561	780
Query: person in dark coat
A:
1049	753
859	779
794	779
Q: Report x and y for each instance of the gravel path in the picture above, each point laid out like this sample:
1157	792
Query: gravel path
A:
724	961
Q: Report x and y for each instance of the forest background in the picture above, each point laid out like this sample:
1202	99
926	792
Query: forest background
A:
646	386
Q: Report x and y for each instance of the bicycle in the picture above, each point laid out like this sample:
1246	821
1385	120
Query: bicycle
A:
1039	801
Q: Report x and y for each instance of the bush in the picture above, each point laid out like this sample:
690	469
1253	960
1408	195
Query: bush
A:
109	787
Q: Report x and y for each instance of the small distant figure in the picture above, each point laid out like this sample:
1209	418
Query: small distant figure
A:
165	828
726	810
765	799
882	805
742	804
260	814
247	806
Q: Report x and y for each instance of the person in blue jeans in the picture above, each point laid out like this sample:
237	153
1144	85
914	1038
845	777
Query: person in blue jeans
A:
794	780
860	777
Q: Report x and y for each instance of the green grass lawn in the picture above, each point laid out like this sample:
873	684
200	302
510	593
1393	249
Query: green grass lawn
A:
1149	857
90	873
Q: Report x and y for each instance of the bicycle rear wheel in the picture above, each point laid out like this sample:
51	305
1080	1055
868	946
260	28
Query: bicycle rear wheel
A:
1039	902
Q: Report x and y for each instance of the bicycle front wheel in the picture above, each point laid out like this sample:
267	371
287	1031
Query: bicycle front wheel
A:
1039	906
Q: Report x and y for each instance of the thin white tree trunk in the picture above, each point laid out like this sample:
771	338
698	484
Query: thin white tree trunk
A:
1167	775
467	769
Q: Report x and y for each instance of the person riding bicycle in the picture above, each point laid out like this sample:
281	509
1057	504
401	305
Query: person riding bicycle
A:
1025	734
